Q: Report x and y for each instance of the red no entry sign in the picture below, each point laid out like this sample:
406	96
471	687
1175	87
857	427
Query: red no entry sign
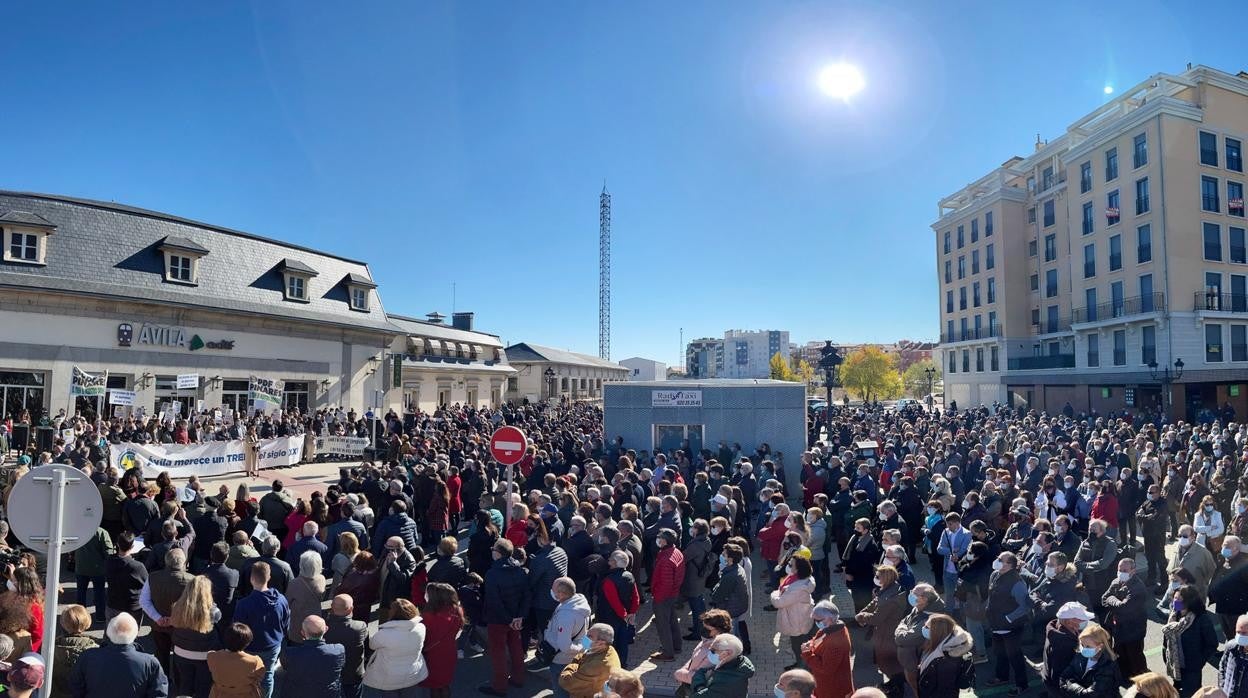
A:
507	445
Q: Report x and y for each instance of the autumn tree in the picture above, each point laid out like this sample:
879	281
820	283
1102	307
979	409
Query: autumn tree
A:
915	378
871	375
803	371
780	370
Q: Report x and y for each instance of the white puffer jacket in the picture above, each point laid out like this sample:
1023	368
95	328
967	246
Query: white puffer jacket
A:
397	661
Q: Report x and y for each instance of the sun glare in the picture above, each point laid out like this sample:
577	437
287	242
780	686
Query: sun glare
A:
841	80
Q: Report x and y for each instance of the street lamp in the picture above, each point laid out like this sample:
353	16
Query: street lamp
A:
930	372
829	359
550	380
1165	377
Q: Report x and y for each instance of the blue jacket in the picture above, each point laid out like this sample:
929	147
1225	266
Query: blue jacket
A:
312	668
300	547
267	614
118	670
400	525
344	526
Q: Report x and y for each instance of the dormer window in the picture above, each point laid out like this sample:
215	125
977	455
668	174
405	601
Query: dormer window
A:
359	288
359	298
296	276
182	260
24	236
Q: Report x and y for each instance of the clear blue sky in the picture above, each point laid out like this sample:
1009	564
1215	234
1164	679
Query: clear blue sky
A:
467	143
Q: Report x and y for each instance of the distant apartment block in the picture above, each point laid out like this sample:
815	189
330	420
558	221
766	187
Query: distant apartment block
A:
740	354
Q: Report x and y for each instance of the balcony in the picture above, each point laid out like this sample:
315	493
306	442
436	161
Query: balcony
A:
1051	326
1220	302
1052	181
1039	363
1138	305
970	334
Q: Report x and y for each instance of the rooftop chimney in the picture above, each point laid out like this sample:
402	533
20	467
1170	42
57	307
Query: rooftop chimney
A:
461	321
435	317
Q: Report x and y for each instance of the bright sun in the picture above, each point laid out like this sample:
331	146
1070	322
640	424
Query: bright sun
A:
841	80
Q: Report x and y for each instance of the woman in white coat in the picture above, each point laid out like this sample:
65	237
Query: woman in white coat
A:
397	665
1209	526
793	604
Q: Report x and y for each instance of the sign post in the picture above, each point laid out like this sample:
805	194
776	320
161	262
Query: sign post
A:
508	446
54	509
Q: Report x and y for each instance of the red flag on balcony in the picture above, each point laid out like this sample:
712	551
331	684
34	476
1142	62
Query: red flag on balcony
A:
1111	213
1237	204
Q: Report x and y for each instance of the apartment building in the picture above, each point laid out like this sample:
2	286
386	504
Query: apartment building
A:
740	354
1082	272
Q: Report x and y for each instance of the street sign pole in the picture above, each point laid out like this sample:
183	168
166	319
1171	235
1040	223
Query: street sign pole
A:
511	475
56	522
508	446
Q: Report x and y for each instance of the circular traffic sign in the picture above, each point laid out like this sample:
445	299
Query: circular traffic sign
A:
508	445
31	507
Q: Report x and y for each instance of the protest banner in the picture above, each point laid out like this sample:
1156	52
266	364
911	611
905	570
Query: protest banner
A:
187	381
264	393
205	459
341	445
121	397
83	384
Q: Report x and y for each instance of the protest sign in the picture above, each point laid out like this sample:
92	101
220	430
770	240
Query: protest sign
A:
210	458
264	393
83	384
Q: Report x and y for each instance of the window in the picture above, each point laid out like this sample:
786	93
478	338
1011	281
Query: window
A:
1052	325
966	361
1209	195
359	297
1035	317
296	288
975	294
295	396
1237	246
1031	184
1089	299
961	237
992	323
1049	215
1031	215
974	230
1146	293
1050	248
994	359
965	333
962	267
1239	289
1094	350
1085	177
948	301
1213	343
990	260
979	327
953	362
1115	297
949	331
1087	218
1035	282
1139	151
1089	261
1046	178
1112	212
948	271
974	261
1239	342
180	268
947	234
1213	242
1235	199
962	298
992	290
1148	344
979	359
1144	244
988	224
1115	252
1050	283
1213	290
1141	196
23	247
1031	248
1208	149
1111	164
1234	158
1120	347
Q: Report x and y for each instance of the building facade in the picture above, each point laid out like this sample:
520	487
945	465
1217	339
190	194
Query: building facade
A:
704	358
452	364
1080	273
548	373
740	354
645	369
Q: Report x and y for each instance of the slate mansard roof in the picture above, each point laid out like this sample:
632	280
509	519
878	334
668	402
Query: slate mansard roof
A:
114	251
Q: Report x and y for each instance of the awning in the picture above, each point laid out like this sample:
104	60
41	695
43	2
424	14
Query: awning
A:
477	351
416	345
463	349
435	346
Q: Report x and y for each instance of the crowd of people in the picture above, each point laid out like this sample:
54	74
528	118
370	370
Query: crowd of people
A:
1037	543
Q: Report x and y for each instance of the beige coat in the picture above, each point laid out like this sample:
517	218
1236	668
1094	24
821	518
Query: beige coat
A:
793	606
584	677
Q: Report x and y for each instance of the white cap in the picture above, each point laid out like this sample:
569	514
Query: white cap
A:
1073	610
719	499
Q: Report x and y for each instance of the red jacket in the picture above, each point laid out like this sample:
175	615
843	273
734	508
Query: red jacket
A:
770	539
453	485
439	650
518	533
669	574
812	486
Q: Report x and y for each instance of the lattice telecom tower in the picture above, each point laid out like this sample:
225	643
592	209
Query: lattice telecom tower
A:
604	273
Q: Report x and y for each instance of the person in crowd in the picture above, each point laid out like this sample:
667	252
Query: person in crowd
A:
235	673
699	565
1126	604
619	602
485	534
1095	560
397	569
1233	665
1055	589
947	657
1188	638
280	572
923	601
340	565
241	551
71	642
25	676
827	654
795	683
163	588
882	615
506	606
1194	558
1154	516
352	634
714	622
396	524
566	631
193	621
729	672
1093	672
275	506
125	578
223	579
304	593
1008	607
449	568
819	543
666	579
589	670
362	584
548	563
1208	525
1228	592
1153	685
794	601
312	667
308	539
118	669
266	612
443	618
863	555
397	665
90	569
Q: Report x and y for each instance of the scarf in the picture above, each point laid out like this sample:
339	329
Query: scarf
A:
863	542
1173	653
937	652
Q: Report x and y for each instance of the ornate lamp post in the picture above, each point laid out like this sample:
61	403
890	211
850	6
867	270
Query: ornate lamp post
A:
1165	377
550	381
930	372
829	359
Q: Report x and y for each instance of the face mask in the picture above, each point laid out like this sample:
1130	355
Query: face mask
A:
1088	652
877	582
779	692
1173	586
552	595
931	511
713	658
997	565
821	625
1227	553
723	561
1142	478
1050	572
1036	549
970	558
1208	509
586	643
927	633
1177	606
1240	508
1082	624
913	599
966	504
1241	640
1124	576
790	570
1070	484
1184	541
1061	530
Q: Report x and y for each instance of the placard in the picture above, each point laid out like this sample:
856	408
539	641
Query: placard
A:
676	398
341	445
264	393
121	397
188	381
82	384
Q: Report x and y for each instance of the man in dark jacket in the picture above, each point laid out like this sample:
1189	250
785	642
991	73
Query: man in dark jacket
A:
1228	592
163	588
1061	644
125	578
352	635
578	545
280	573
699	562
306	540
1126	603
313	667
118	669
448	567
545	566
1154	515
267	613
347	524
210	528
275	507
397	568
506	605
1008	607
397	523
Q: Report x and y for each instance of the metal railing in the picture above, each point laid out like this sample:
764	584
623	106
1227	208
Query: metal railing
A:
1137	305
1046	326
970	333
1034	363
1223	302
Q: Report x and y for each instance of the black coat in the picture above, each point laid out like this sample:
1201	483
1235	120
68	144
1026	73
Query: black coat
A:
480	545
352	635
861	563
1101	681
1060	647
312	668
224	585
1229	590
547	565
400	525
118	670
506	592
578	547
940	678
1128	604
1199	641
448	569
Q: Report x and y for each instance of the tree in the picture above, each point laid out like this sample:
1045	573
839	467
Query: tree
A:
780	370
803	371
871	375
915	378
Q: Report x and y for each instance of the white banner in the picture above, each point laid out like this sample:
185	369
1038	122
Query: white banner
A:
82	384
341	445
212	458
188	381
121	397
264	393
676	398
